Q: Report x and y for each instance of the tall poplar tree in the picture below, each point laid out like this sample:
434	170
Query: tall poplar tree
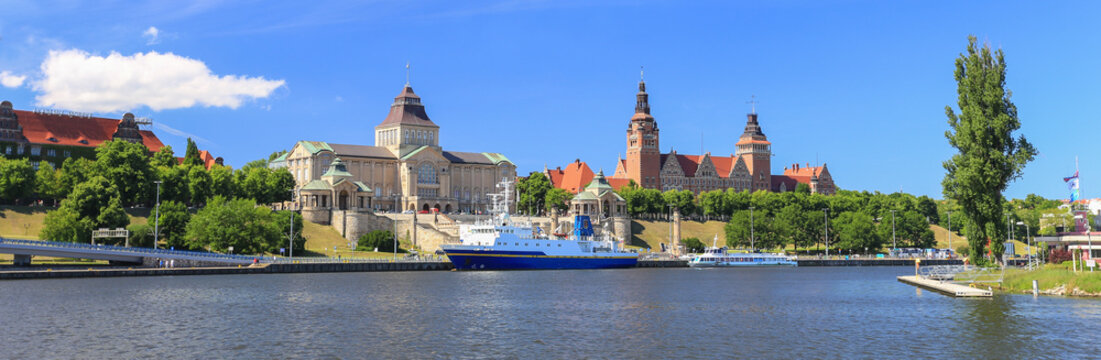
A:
989	156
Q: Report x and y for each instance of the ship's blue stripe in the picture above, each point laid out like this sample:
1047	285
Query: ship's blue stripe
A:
494	252
531	263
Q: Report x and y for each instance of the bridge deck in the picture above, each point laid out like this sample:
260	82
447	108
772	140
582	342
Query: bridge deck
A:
111	253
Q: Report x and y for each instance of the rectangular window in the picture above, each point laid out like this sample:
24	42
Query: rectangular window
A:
20	150
68	153
36	150
34	164
51	152
8	150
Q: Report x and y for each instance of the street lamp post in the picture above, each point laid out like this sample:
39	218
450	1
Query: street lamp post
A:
1028	243
1089	239
157	216
751	244
894	244
290	238
950	249
826	220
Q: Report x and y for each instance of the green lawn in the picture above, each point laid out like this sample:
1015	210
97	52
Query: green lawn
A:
1051	276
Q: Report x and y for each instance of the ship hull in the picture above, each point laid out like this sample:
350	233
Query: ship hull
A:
529	260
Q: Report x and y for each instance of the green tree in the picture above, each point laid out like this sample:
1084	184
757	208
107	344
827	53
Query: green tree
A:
693	245
141	235
989	156
281	222
64	224
199	185
238	223
172	219
857	232
73	172
802	188
174	185
163	157
683	200
279	183
760	235
111	216
382	240
713	204
252	183
221	179
557	200
47	183
16	179
126	166
533	193
191	157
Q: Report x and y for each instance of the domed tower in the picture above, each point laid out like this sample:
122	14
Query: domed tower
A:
753	147
407	123
643	157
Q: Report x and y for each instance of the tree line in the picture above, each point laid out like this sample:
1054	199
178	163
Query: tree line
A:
200	209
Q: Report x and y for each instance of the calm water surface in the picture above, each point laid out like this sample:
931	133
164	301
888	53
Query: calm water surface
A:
635	313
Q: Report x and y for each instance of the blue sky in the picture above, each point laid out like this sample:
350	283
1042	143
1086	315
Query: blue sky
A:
859	85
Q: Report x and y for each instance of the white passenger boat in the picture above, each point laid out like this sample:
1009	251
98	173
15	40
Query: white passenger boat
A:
718	257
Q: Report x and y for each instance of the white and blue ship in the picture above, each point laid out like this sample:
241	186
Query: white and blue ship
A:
500	243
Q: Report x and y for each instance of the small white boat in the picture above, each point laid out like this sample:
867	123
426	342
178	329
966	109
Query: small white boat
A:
718	257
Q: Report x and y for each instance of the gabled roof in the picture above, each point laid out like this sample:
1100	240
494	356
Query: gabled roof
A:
459	157
573	179
316	185
362	151
618	183
60	129
314	147
800	170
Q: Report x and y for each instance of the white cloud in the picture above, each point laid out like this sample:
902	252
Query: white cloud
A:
78	81
10	80
152	36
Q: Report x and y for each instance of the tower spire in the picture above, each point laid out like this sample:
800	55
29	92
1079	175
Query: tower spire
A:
406	73
752	104
642	104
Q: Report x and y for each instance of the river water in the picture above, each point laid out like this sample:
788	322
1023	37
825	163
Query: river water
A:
634	313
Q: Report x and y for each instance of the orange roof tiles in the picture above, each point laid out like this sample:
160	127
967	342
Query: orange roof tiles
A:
574	178
75	131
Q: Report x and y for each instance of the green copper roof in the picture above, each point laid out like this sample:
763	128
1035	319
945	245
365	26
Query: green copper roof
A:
414	152
337	169
316	185
362	187
315	146
281	157
584	195
599	184
497	158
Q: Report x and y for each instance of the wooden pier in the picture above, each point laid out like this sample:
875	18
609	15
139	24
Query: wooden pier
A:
947	288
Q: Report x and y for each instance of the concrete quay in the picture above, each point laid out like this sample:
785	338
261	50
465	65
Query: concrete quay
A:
877	262
947	288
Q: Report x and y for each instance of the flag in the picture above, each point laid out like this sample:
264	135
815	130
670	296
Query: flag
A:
1072	185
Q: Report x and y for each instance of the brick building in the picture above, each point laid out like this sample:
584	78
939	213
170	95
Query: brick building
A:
749	168
53	136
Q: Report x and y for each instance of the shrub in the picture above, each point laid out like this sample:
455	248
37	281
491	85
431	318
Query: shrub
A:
383	240
1059	256
963	251
692	245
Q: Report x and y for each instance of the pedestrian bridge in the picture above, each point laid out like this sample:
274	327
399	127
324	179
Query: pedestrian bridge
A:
24	249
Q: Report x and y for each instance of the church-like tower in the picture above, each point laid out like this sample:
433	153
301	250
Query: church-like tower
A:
755	150
643	157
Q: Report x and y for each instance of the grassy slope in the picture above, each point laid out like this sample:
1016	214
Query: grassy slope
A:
320	240
1051	276
1019	247
25	222
648	234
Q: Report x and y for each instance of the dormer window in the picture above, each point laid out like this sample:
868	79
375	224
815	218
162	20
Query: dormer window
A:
53	139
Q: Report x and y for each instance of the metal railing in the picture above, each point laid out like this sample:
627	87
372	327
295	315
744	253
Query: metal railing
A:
330	260
969	274
122	250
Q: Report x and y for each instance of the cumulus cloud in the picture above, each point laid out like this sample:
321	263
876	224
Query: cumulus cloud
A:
151	35
78	81
10	80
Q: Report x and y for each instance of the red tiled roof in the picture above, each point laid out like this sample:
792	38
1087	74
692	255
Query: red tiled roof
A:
618	183
208	159
75	131
573	178
689	163
798	170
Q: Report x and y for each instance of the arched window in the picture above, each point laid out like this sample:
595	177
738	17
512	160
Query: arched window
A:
426	174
